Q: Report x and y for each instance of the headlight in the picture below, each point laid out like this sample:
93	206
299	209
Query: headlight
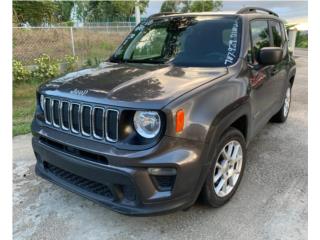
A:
147	123
42	102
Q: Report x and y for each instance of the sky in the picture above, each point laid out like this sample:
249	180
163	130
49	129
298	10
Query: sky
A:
294	12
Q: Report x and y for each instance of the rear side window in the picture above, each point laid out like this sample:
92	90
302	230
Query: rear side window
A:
260	36
276	33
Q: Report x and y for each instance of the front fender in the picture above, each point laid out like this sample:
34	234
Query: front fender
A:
206	107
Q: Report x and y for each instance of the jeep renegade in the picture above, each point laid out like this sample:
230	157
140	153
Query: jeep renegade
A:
169	116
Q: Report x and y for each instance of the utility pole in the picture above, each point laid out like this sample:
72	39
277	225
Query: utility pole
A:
137	12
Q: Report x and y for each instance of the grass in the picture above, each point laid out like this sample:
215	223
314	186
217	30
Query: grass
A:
23	107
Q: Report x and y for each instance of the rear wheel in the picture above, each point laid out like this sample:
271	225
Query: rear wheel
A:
283	113
226	169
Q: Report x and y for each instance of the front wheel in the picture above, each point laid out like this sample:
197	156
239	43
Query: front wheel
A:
226	170
283	113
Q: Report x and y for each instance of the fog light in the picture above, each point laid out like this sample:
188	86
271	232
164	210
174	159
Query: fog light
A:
162	171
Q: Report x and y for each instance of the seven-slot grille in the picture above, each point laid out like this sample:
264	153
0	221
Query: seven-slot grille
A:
91	121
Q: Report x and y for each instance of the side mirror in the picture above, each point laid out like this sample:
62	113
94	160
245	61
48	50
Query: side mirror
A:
270	55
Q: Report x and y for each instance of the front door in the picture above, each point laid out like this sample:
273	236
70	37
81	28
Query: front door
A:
262	78
279	70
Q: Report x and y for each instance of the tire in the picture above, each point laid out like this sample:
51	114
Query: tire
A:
210	193
282	115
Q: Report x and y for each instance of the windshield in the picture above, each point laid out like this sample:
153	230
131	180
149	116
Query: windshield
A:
199	41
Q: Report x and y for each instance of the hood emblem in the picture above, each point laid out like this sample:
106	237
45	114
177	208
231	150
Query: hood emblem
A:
79	92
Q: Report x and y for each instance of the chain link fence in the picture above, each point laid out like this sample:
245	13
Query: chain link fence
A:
87	43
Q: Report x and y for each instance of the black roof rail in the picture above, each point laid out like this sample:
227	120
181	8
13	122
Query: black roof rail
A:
254	10
161	14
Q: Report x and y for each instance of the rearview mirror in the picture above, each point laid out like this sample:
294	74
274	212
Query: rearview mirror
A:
270	55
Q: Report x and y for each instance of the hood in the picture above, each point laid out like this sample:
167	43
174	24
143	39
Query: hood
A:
131	85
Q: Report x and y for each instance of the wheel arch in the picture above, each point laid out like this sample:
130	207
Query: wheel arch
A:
292	75
291	80
237	117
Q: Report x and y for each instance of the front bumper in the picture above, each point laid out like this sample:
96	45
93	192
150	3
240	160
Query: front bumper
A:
121	180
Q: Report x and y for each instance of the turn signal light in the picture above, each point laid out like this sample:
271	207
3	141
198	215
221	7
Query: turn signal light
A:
179	121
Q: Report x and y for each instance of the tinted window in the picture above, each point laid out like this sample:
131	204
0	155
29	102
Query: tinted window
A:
276	34
204	41
260	35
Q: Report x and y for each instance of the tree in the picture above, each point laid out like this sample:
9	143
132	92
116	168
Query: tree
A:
186	6
169	6
102	11
63	12
34	12
48	12
205	6
190	6
41	12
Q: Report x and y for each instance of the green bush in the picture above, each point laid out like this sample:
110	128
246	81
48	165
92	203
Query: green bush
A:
71	63
93	62
89	62
20	73
46	68
301	40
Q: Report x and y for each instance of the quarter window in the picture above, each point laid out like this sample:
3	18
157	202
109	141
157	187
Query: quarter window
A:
260	36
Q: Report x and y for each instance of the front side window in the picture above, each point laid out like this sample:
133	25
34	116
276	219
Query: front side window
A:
260	36
200	41
276	34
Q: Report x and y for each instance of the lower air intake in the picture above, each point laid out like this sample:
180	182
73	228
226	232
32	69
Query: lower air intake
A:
83	183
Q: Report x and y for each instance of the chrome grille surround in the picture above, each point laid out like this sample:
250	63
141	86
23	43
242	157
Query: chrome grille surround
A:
105	136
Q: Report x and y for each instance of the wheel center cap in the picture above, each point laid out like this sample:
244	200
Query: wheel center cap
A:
227	168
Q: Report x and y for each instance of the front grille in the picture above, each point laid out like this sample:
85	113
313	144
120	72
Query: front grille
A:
89	121
97	124
64	116
81	182
55	113
86	119
74	117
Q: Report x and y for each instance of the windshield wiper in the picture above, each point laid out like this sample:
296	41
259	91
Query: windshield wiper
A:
160	60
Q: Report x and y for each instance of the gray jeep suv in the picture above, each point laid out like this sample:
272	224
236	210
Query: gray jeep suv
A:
169	116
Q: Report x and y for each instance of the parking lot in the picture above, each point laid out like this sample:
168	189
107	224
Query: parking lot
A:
271	202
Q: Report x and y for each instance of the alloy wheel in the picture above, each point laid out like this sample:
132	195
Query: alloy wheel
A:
228	168
287	101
